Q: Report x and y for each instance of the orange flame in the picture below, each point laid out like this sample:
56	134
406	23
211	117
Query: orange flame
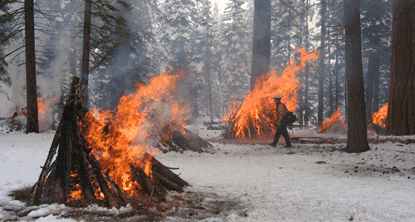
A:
41	106
147	169
77	193
336	117
124	136
258	108
379	117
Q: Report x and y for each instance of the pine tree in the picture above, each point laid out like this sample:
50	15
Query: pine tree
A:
204	55
6	21
175	31
237	52
288	30
376	37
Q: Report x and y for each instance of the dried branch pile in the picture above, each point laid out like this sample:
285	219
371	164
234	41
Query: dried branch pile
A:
75	176
185	140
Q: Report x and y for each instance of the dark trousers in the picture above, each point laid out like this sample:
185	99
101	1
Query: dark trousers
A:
282	129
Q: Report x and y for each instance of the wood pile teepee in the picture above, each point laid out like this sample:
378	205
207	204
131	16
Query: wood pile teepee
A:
72	174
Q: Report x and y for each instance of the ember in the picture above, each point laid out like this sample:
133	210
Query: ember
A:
335	119
255	115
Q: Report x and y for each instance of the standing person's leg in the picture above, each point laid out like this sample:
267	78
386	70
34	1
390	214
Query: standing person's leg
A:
286	137
276	137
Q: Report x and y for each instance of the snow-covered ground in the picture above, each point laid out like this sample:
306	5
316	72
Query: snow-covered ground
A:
250	182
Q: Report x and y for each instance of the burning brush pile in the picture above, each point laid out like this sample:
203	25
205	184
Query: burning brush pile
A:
378	121
336	125
107	157
17	120
256	115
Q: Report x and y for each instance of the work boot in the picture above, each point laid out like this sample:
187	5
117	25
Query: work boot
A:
273	144
288	146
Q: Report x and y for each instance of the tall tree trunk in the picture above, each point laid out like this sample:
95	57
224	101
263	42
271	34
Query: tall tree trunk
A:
357	128
370	87
376	84
401	109
261	40
336	72
306	93
32	109
331	104
208	54
85	52
322	67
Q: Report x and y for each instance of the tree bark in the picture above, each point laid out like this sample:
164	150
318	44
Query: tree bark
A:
370	87
357	128
85	52
376	84
32	109
306	74
321	67
336	72
261	40
401	111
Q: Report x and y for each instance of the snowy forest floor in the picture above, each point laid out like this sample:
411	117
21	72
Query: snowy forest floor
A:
242	180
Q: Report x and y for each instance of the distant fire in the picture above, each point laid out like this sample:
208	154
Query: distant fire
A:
256	115
336	117
44	112
41	106
124	136
379	117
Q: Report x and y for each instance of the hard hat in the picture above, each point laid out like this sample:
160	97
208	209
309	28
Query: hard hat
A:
276	96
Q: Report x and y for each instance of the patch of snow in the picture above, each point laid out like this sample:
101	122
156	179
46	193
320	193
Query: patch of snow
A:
310	182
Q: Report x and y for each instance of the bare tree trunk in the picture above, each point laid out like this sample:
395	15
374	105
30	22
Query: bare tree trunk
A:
261	40
306	93
32	109
321	67
208	74
357	128
336	71
370	87
85	52
331	104
401	110
376	76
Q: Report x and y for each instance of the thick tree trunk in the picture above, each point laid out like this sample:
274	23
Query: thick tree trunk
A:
357	128
261	40
32	109
85	52
401	110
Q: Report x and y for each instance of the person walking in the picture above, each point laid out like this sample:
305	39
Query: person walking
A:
281	123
